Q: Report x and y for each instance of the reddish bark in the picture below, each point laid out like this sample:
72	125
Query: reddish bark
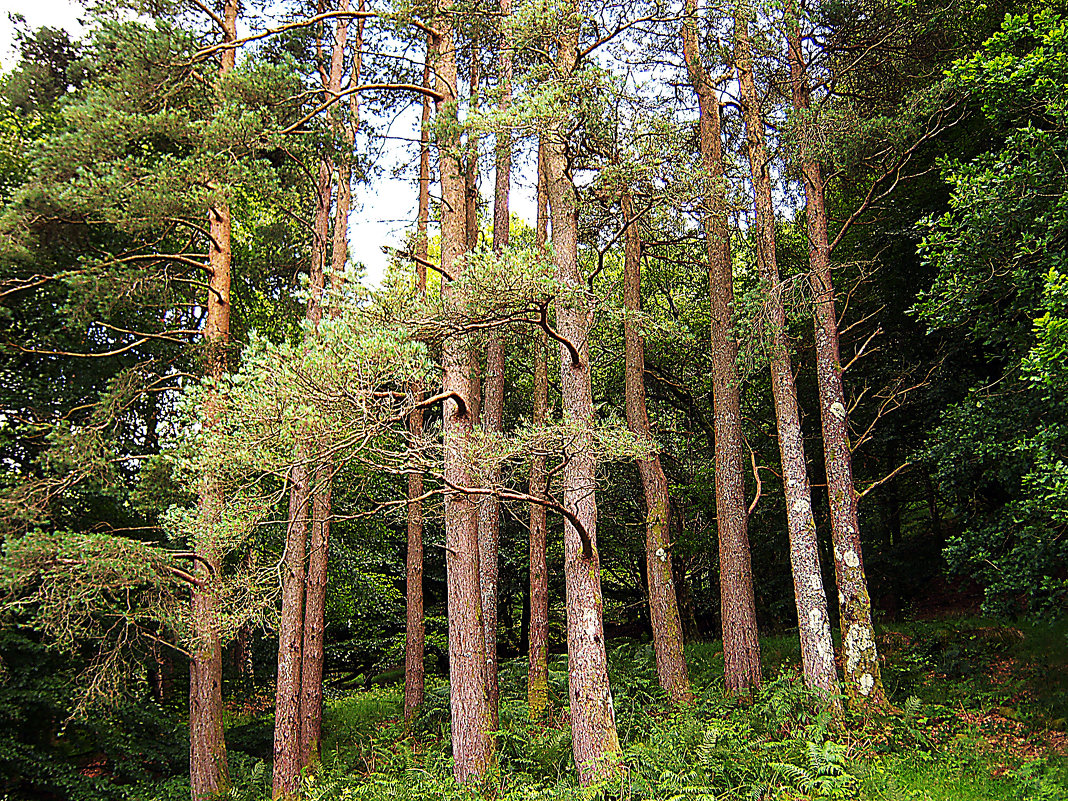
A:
311	679
538	631
860	657
594	739
741	643
472	743
663	605
289	750
415	634
311	672
209	773
287	761
493	400
817	648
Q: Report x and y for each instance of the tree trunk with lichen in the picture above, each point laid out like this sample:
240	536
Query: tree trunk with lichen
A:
741	642
817	647
472	741
860	656
595	742
663	605
538	629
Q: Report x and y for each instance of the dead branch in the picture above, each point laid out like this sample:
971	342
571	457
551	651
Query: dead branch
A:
883	480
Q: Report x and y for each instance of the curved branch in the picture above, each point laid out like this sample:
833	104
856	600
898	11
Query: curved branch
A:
461	404
543	321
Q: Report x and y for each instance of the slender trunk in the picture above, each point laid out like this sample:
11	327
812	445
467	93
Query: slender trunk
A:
860	668
817	647
415	633
594	738
311	672
288	743
663	605
470	198
472	742
538	627
209	773
741	642
162	675
311	678
471	171
489	532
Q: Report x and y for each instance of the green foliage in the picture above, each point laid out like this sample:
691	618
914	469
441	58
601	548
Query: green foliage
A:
1000	252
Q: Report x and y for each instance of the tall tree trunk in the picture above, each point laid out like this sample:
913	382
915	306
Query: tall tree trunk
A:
860	657
538	627
593	726
472	742
209	773
741	642
312	652
288	750
817	647
311	674
663	605
489	532
415	633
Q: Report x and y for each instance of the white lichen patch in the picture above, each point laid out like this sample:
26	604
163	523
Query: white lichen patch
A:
857	641
838	410
814	619
591	623
851	558
799	507
867	683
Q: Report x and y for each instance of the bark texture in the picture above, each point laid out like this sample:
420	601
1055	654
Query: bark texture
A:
472	743
312	655
594	739
663	605
741	642
538	626
860	657
289	751
489	525
817	647
415	633
209	773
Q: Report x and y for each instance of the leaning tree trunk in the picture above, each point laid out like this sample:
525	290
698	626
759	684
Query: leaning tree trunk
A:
209	773
472	741
860	657
817	647
538	627
489	531
594	739
415	632
741	643
663	605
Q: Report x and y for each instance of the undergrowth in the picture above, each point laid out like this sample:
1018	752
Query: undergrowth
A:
948	682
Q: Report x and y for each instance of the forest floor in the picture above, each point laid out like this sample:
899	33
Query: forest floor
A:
980	714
